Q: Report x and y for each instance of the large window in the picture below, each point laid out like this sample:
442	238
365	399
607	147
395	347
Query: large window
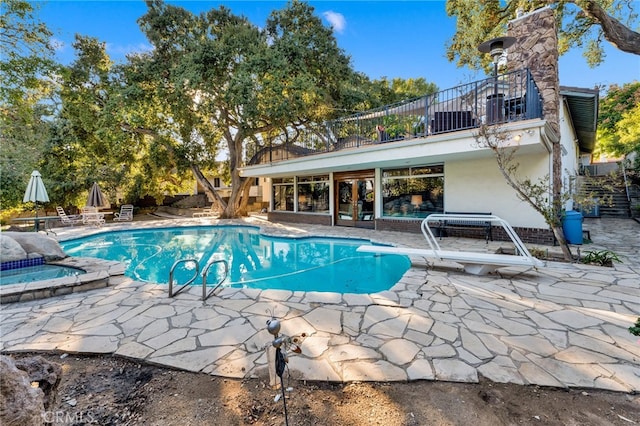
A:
313	194
413	192
283	194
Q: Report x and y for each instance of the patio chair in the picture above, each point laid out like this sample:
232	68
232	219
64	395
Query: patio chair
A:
207	212
91	216
66	219
125	215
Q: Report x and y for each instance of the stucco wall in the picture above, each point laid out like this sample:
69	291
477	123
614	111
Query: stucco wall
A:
478	186
570	154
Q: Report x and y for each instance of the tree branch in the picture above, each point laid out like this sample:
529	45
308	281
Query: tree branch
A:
614	31
139	130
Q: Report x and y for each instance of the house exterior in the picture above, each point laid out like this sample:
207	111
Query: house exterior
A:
389	168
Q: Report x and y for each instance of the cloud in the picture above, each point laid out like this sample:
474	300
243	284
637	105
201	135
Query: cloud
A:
123	50
336	20
57	44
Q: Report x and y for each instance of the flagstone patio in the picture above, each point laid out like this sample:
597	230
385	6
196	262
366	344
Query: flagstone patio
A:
564	325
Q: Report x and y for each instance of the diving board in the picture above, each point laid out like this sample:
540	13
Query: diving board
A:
473	262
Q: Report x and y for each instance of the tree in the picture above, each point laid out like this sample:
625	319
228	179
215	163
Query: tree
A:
217	81
21	146
385	92
619	120
25	72
26	56
581	23
88	143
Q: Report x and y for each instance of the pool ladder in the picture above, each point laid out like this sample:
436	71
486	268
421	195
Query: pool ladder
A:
205	272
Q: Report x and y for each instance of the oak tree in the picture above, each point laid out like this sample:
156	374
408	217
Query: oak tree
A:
581	24
217	81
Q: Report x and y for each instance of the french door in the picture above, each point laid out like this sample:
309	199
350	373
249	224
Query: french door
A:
354	195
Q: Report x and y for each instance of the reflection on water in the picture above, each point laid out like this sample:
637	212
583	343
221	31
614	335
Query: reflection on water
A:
256	261
37	273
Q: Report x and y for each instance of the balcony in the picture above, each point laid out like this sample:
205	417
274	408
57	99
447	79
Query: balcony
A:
510	97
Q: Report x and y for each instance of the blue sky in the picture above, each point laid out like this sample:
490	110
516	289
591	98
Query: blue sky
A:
403	39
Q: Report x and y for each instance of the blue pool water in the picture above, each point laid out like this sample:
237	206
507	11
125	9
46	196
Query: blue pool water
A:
37	273
255	261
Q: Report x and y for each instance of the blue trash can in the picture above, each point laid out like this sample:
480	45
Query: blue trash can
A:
572	227
594	211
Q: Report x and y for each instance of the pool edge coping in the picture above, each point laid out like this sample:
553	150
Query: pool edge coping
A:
98	273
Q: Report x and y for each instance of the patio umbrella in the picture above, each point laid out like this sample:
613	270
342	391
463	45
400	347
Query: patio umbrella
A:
36	192
96	199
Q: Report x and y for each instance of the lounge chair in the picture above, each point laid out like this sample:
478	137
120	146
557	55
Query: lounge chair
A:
207	212
125	215
473	262
91	216
66	219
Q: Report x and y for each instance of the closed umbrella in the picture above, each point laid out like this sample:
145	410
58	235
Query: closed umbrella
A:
36	192
96	199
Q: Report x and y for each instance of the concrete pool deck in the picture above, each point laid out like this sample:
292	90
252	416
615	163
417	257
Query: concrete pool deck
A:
564	325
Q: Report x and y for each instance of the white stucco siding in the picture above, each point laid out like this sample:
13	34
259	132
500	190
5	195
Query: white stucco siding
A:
478	186
570	151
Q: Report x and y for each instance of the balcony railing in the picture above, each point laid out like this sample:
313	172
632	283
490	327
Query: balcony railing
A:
506	98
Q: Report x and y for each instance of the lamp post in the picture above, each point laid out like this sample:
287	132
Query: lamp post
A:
495	47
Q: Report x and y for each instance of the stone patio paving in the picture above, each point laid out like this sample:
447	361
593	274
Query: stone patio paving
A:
563	325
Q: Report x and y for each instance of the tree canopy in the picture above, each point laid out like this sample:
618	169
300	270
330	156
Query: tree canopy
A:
582	24
26	73
619	120
216	80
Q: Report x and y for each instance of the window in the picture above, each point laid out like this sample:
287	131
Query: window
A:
283	194
313	194
414	192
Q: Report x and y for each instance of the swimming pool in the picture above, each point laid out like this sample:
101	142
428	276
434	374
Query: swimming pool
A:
36	273
255	260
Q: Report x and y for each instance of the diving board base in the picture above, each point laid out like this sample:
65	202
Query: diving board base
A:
473	263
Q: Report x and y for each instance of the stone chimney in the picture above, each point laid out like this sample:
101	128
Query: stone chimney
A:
536	48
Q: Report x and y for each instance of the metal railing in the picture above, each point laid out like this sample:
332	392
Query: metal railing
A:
205	273
172	271
626	186
509	97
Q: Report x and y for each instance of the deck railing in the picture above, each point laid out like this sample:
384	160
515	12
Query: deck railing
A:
510	97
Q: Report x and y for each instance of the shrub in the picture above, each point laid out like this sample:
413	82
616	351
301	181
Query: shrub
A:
602	258
635	329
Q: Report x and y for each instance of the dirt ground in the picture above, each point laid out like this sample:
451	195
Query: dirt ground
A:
109	390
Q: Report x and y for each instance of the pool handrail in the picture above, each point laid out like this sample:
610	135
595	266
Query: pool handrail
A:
205	272
175	265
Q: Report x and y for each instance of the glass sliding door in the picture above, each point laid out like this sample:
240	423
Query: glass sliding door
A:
355	200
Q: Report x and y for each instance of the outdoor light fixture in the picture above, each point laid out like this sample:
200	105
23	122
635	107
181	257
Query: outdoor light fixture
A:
519	136
495	47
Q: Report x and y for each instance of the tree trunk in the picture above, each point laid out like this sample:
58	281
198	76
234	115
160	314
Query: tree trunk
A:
562	242
556	183
218	202
237	206
239	199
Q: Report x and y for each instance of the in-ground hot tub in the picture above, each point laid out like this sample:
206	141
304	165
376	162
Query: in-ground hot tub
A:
78	274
